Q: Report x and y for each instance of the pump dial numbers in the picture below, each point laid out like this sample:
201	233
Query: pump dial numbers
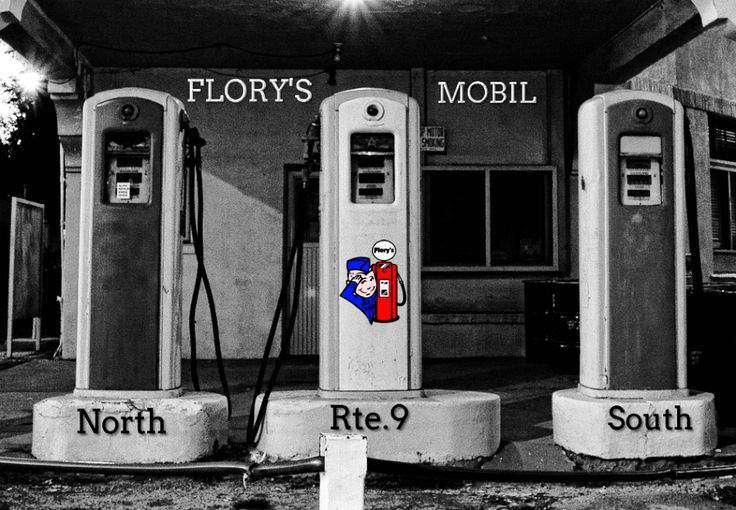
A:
345	418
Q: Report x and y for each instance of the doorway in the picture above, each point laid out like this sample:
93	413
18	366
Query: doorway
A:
305	338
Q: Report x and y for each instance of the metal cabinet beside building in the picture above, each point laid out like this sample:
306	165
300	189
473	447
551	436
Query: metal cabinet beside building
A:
551	310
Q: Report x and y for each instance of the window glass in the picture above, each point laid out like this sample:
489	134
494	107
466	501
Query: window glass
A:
719	208
723	182
454	218
311	234
722	138
521	218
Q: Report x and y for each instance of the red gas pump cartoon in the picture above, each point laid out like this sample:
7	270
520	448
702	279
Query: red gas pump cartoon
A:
387	283
374	288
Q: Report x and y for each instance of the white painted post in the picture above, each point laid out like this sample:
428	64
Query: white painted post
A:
342	483
36	332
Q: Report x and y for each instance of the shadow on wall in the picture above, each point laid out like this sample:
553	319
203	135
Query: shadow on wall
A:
242	244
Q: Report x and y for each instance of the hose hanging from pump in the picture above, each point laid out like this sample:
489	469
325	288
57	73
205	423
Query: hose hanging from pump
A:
193	144
255	419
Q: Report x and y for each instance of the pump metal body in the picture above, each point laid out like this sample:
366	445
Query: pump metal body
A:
632	243
369	193
632	401
370	303
128	405
129	318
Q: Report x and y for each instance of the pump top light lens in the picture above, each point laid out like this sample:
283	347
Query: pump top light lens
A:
128	111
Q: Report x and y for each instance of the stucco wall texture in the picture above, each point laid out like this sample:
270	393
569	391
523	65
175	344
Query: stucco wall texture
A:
249	142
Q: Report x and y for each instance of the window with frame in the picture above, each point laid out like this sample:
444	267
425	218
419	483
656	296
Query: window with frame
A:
489	218
723	182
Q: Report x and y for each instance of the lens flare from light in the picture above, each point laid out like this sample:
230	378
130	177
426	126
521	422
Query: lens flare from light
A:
354	20
30	81
12	67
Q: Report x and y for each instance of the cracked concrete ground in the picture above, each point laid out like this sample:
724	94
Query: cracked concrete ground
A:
525	390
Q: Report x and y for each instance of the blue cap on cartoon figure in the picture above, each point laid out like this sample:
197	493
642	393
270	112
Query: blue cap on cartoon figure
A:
359	264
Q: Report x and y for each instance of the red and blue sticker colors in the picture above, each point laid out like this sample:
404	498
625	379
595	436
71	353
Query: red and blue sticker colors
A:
373	287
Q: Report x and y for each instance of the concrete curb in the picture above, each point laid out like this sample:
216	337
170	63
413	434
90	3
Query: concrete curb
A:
635	428
442	427
143	430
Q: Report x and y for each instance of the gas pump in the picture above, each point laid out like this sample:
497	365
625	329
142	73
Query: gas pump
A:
369	204
130	194
370	301
632	400
388	280
128	405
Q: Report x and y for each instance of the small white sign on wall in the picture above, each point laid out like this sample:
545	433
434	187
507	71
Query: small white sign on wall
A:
433	139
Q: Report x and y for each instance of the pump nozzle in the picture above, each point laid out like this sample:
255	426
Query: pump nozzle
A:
194	137
311	150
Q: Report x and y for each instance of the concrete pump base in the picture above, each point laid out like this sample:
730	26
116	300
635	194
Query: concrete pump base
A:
634	428
135	430
440	427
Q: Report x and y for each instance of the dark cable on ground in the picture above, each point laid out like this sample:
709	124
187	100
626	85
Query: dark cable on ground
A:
288	467
194	145
316	465
266	469
523	476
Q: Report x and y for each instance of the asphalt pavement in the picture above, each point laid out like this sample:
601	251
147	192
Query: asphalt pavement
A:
525	391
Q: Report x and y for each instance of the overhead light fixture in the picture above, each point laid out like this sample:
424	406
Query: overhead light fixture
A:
354	6
332	70
30	81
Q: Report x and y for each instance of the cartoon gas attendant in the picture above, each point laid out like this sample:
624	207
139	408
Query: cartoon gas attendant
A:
361	286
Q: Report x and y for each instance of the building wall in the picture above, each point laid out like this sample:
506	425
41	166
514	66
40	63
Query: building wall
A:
701	76
249	142
481	313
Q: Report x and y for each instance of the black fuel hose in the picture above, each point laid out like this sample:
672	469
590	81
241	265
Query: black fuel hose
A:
194	144
256	418
194	226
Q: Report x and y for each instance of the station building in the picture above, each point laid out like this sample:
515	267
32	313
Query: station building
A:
498	84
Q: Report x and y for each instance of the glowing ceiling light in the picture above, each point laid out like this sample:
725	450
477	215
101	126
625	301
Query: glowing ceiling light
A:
354	15
30	81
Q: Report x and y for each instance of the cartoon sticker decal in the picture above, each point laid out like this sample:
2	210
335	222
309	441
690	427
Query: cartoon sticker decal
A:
373	288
